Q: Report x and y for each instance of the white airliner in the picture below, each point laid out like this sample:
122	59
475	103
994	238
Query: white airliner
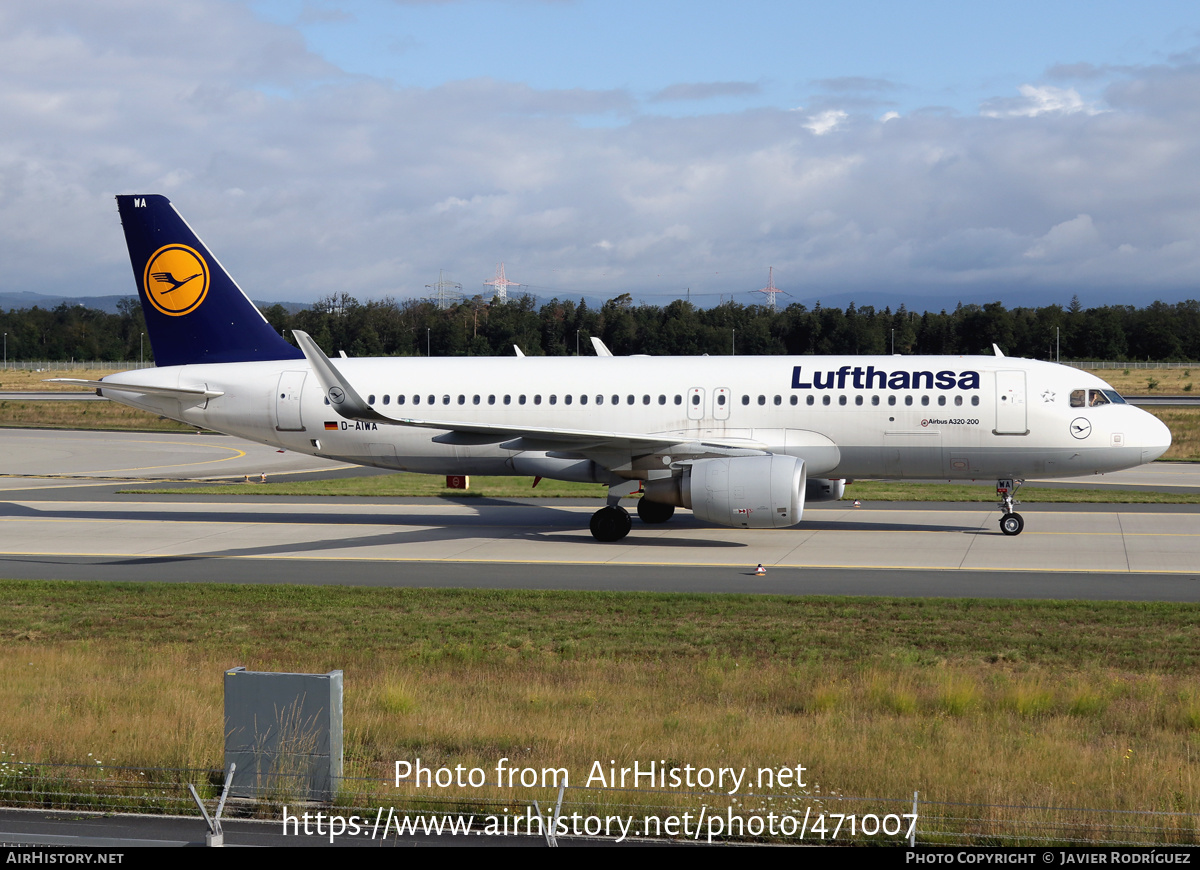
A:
741	441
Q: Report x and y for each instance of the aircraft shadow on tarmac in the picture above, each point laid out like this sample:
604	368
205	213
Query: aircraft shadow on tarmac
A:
545	518
543	524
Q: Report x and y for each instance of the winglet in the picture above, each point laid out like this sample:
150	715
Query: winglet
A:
342	397
601	348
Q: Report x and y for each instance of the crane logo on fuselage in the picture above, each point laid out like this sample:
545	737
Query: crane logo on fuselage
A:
176	280
871	378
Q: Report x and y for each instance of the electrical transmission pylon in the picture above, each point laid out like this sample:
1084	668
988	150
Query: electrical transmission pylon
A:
501	284
446	292
771	290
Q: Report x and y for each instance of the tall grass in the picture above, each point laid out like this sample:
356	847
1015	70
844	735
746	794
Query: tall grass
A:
1066	704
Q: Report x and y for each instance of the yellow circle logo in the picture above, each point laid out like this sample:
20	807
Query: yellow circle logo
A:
176	280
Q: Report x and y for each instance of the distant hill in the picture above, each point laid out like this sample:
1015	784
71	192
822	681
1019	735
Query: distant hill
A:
107	304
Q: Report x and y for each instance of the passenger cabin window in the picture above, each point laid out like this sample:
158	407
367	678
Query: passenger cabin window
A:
874	400
371	399
567	399
745	400
778	401
841	400
521	399
824	400
858	400
762	400
475	400
679	399
696	400
387	400
537	399
400	399
508	400
433	400
958	400
974	400
794	399
811	400
491	400
462	400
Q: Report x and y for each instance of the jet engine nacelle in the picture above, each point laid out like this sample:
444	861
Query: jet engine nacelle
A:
824	490
746	492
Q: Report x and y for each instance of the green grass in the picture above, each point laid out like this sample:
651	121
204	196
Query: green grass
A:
411	485
321	624
995	704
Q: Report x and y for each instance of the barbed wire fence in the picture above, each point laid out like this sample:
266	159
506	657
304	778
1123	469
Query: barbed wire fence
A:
781	817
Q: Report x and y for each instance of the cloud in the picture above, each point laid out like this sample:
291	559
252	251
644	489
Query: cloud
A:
705	91
1036	101
826	122
306	180
855	84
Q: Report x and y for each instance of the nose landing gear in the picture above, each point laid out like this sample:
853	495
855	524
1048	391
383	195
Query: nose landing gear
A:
1011	522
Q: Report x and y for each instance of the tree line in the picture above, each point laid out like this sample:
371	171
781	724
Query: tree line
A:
1157	332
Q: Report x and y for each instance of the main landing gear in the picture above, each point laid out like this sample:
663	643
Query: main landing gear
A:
1011	522
654	512
612	522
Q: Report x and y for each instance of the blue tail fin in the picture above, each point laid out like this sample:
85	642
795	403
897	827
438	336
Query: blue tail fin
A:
195	313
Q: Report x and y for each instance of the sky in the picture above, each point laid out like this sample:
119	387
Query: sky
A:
923	153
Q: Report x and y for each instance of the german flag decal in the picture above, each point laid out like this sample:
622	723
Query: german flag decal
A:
330	426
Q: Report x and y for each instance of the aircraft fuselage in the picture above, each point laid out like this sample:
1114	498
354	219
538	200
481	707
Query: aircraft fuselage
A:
848	417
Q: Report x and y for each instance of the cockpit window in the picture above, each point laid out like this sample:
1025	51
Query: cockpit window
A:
1097	397
1077	398
1114	397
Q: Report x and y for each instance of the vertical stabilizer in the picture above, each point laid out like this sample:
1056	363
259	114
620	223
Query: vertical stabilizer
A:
195	312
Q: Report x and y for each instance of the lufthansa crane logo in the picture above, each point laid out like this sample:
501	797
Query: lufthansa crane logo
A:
176	280
1081	428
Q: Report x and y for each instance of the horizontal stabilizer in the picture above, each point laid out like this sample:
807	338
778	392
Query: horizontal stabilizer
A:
194	393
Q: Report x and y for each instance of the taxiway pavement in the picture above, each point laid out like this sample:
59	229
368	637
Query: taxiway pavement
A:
74	525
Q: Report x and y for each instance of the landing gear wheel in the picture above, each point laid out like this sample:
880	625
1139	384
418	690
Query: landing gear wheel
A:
1012	524
654	512
610	524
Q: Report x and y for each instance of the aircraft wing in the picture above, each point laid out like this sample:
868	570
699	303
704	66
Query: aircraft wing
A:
348	403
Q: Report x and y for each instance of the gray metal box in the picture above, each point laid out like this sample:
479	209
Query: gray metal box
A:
284	733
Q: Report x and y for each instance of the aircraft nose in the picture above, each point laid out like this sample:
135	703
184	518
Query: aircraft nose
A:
1153	436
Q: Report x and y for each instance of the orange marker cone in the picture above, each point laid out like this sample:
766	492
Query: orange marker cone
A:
857	503
263	477
760	570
